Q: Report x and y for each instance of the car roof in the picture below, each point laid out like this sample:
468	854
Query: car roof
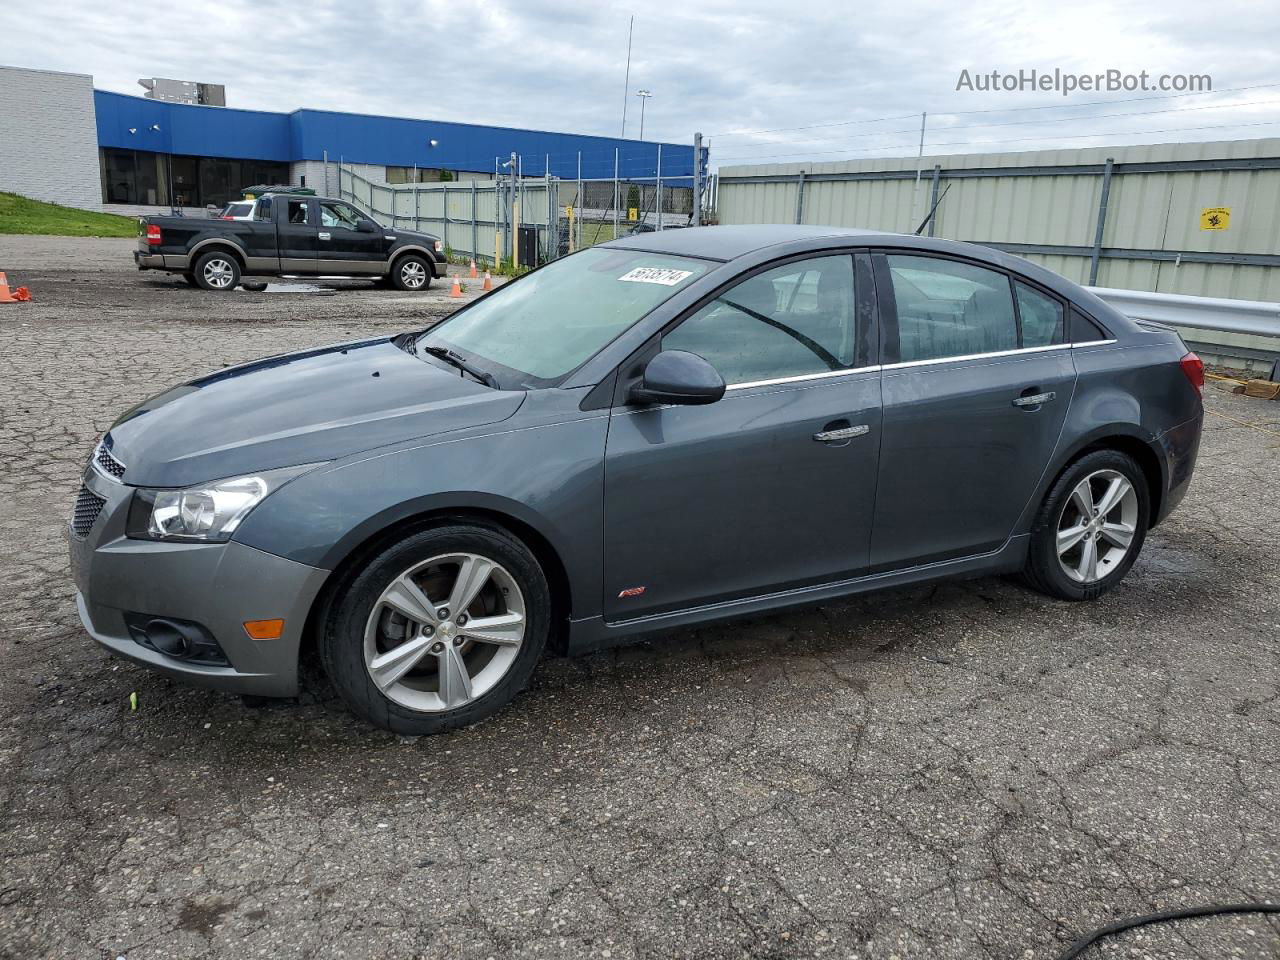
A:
731	242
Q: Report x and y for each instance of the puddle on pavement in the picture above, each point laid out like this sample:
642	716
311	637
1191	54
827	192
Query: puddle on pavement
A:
291	288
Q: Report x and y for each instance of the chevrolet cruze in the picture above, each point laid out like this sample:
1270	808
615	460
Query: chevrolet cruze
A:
664	430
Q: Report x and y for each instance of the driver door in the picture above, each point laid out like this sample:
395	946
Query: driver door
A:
344	247
773	486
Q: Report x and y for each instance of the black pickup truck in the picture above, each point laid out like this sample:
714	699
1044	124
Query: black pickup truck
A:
288	235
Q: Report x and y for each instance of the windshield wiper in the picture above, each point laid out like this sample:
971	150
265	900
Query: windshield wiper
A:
448	356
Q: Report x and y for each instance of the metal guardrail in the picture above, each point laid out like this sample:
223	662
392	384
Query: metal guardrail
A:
1250	317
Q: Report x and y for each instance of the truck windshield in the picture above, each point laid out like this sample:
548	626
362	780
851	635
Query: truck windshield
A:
536	330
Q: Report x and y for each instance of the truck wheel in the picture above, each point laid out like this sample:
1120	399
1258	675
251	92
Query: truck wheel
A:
411	272
217	271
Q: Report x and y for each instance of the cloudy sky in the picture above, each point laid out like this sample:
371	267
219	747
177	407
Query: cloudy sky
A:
766	81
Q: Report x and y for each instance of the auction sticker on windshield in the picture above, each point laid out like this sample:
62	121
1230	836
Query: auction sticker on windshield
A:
662	275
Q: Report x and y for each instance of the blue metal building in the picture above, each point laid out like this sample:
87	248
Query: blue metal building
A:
155	152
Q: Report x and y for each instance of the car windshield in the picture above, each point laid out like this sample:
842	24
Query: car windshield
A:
538	329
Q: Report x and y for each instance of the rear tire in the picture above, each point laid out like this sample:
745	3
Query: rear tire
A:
217	271
411	273
1090	528
459	665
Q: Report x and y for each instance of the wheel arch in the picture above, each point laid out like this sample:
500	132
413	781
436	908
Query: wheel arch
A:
397	252
213	245
375	534
1143	448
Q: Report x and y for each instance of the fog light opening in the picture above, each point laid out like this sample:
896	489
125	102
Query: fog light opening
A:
167	637
175	638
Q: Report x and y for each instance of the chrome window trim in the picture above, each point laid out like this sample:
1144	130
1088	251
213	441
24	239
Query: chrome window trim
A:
1093	343
977	356
801	377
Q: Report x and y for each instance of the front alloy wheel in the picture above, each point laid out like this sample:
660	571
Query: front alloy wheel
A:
445	632
411	273
439	630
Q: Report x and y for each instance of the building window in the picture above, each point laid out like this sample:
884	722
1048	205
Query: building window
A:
142	177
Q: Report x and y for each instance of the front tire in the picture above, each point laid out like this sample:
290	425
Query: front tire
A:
437	631
217	271
1090	528
411	273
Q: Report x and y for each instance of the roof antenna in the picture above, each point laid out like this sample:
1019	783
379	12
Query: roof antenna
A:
932	210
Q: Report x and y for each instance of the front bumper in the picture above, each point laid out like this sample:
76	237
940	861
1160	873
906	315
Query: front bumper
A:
145	260
219	586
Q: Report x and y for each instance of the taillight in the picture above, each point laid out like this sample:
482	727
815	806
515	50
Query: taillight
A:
1193	367
153	234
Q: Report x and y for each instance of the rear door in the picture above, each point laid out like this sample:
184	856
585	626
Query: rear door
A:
296	219
977	379
771	487
344	247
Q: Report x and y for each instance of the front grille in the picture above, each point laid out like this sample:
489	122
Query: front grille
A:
109	464
88	506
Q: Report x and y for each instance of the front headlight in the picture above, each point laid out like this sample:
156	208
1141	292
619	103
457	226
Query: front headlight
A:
439	246
207	513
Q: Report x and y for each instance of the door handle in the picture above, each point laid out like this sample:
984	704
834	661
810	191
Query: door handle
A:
843	433
324	234
1034	400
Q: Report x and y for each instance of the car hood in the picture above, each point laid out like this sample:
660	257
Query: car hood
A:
426	239
306	407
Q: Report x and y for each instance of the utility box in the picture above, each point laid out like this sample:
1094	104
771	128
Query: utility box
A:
527	238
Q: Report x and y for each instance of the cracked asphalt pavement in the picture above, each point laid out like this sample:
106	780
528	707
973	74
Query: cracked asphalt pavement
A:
966	770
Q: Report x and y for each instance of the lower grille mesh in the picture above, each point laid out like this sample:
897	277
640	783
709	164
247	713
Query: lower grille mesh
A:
88	506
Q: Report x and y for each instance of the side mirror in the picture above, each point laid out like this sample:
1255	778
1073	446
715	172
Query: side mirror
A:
367	226
677	376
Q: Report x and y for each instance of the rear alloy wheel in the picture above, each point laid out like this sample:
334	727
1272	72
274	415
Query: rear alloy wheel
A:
217	271
411	273
1090	527
438	631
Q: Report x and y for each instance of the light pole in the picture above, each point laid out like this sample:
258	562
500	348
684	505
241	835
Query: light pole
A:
643	95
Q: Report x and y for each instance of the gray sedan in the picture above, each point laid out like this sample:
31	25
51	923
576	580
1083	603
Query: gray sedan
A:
665	430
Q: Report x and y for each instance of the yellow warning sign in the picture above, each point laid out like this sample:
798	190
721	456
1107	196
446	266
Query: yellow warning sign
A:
633	213
1215	218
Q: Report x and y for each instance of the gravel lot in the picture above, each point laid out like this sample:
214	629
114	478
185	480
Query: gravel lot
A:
969	770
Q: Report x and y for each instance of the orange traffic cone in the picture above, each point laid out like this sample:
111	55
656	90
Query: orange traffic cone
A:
488	281
473	273
457	288
18	295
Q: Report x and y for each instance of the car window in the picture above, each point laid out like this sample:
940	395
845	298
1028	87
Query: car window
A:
334	214
298	211
950	309
238	210
539	328
790	321
263	211
1041	317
